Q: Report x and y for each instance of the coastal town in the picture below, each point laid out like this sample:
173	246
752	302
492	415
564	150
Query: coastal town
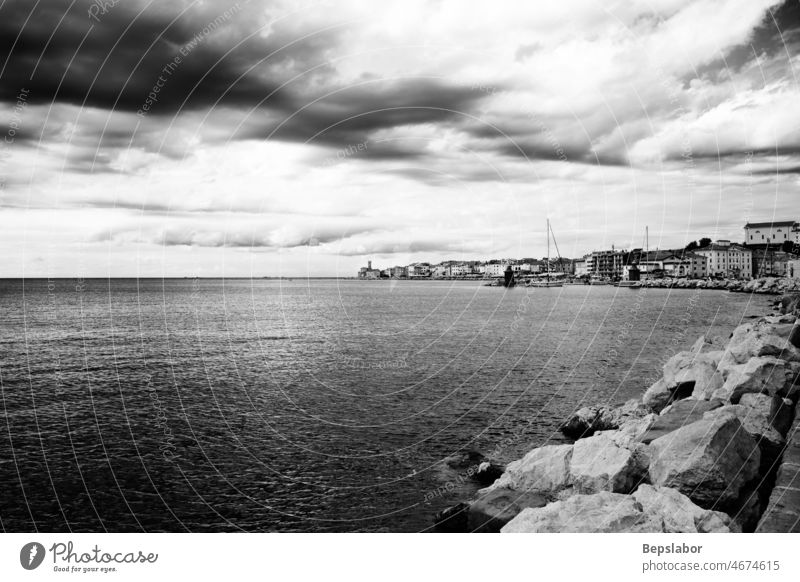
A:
769	249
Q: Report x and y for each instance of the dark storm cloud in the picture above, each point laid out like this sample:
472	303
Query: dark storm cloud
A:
283	81
792	168
61	55
700	152
351	114
779	32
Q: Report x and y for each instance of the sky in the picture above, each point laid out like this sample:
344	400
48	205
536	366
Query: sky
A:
270	138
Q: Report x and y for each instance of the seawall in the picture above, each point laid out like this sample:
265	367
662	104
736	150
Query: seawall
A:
712	446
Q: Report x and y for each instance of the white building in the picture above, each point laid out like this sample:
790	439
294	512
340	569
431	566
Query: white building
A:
727	259
772	233
459	270
417	270
496	269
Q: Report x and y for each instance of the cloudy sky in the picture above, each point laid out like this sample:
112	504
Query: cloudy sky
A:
292	138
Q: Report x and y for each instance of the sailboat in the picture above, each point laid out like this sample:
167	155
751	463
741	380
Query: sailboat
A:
547	281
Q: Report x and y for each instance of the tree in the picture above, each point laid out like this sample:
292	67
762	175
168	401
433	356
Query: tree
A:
704	242
691	246
788	246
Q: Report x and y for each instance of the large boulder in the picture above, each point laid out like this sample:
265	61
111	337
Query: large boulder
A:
760	375
780	411
603	512
695	368
676	415
678	512
591	419
600	464
712	461
630	432
790	304
761	338
495	508
544	469
586	421
757	421
660	395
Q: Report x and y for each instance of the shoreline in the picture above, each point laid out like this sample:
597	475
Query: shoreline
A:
712	446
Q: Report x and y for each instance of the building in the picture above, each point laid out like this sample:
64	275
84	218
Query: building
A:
418	270
582	267
398	272
727	259
686	264
771	263
650	264
438	271
459	270
606	264
496	269
771	233
368	272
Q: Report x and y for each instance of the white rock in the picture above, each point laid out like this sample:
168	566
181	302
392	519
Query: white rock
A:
602	512
544	469
678	512
760	338
756	421
780	411
711	460
760	375
600	464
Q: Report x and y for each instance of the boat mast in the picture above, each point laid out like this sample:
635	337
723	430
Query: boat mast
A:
548	250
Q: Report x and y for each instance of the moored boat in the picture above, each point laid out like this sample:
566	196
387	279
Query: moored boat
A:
547	282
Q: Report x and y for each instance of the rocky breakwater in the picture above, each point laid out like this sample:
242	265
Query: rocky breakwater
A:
704	450
764	285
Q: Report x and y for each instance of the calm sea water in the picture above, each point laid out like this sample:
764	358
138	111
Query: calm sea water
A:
322	405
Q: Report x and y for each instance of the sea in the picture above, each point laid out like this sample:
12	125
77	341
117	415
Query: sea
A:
306	405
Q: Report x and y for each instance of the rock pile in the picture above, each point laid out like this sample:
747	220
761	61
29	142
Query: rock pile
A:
699	453
765	285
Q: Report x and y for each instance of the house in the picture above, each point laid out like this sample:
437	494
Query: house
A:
771	263
398	272
686	264
418	270
582	267
771	233
496	269
727	259
459	270
438	271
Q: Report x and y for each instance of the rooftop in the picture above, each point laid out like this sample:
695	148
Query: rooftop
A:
770	224
723	247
